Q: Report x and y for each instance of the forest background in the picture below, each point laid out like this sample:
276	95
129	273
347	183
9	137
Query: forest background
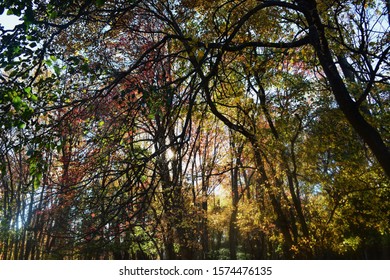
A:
228	129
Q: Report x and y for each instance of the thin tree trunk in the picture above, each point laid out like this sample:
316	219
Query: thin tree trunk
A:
205	233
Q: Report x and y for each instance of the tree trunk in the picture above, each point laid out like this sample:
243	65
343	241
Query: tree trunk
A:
205	233
233	230
281	220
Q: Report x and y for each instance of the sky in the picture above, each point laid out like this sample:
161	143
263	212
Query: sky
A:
8	22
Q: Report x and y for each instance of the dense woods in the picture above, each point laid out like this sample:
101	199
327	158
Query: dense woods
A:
227	129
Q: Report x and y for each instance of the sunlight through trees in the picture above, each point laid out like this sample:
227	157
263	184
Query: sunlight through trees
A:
195	130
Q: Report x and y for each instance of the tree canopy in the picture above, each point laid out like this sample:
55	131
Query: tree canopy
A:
228	129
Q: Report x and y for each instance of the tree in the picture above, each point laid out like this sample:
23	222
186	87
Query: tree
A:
124	119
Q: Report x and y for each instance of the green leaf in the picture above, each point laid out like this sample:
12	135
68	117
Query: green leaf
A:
37	180
8	67
17	101
27	90
100	3
21	125
34	97
57	70
85	68
53	15
13	73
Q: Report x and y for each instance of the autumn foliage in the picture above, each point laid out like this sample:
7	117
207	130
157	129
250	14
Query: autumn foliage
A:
195	130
